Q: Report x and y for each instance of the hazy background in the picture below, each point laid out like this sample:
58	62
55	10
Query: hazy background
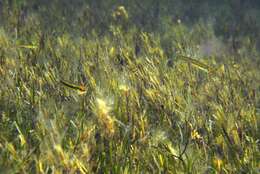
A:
233	21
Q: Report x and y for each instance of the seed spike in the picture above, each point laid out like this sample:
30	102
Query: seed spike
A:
72	86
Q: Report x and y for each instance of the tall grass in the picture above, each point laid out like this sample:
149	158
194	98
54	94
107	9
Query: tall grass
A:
130	101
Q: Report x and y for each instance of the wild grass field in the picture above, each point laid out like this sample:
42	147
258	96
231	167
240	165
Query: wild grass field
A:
85	90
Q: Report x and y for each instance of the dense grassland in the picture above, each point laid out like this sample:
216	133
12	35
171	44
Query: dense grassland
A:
97	92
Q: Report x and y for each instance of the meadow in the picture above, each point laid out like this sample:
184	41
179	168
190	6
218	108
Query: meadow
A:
101	91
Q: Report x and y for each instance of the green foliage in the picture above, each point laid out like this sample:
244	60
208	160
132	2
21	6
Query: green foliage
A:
102	91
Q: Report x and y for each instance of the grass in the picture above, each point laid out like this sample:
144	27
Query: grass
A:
119	103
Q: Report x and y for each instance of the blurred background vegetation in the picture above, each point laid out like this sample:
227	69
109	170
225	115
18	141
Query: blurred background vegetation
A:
233	22
230	19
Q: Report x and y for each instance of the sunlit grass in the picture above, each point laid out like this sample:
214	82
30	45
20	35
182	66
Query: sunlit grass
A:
114	103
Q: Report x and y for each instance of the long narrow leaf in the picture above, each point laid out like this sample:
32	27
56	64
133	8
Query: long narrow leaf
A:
196	63
28	46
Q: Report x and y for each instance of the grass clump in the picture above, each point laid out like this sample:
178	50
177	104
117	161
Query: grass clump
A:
121	98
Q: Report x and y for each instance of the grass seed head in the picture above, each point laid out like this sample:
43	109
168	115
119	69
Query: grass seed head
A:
104	118
120	13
